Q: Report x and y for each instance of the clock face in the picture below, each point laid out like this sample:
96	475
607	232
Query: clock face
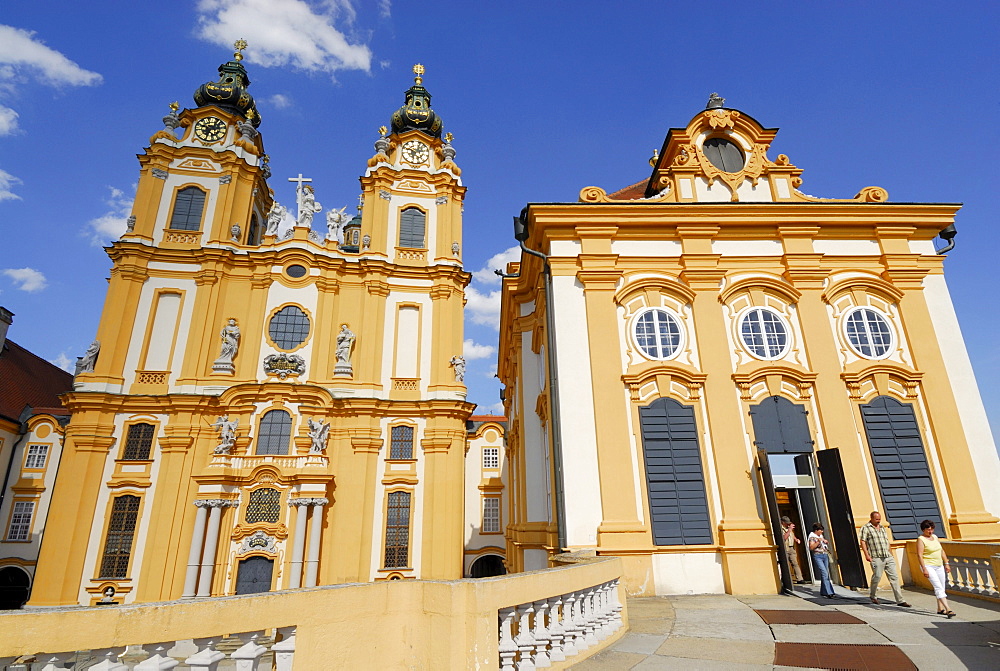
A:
210	129
415	152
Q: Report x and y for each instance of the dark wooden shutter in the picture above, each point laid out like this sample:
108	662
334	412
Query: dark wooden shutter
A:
900	461
780	426
254	575
412	223
674	477
188	206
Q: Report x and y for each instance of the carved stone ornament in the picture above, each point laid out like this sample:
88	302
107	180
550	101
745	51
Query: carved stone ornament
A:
319	434
230	346
159	174
227	434
308	502
345	344
130	223
384	195
456	248
284	365
258	541
235	231
86	363
441	200
216	503
366	241
225	179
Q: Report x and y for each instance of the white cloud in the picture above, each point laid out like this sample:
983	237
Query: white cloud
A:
473	350
280	101
110	225
483	307
285	32
497	262
494	409
8	120
27	279
19	51
385	8
64	362
7	182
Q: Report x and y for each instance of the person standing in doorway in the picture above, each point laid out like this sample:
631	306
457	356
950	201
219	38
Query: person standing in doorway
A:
788	537
934	564
820	549
875	545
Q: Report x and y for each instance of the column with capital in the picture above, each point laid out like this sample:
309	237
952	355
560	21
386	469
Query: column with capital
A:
315	534
211	543
298	542
194	556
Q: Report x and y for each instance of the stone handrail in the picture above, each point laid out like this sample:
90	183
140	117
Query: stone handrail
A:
391	624
975	568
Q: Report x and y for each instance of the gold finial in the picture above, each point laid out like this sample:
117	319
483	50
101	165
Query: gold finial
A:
418	70
175	106
382	130
239	45
250	115
654	158
448	137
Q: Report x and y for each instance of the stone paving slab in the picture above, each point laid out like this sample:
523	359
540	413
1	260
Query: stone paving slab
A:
689	647
644	644
735	631
676	664
947	633
959	657
727	616
610	659
856	634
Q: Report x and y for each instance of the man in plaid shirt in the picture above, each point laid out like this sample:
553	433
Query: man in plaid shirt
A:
875	545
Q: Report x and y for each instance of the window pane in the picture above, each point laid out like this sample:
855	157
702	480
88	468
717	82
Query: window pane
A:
275	432
289	327
36	456
764	333
138	443
658	334
491	457
397	530
118	545
402	443
491	514
20	521
188	206
869	333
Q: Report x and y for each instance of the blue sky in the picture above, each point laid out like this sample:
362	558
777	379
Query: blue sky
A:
543	99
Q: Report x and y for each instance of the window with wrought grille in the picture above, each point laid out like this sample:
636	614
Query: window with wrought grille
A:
275	432
289	327
764	333
264	506
37	455
20	521
491	514
118	543
188	206
397	530
869	333
138	442
401	446
412	223
491	457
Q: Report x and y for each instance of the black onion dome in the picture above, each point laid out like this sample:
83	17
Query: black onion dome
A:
230	92
416	112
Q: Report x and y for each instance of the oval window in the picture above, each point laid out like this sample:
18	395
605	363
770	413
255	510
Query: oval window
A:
657	333
289	327
869	333
296	271
723	154
764	333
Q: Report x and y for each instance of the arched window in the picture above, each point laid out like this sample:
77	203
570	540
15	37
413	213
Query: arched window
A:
264	505
397	530
275	432
402	443
188	206
412	225
138	443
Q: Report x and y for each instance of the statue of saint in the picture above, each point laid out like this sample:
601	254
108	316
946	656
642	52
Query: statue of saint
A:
335	220
274	218
319	432
227	434
345	341
86	363
308	206
230	341
458	363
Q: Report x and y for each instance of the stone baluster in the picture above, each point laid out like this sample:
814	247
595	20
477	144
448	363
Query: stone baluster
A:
607	615
541	634
51	662
525	641
507	647
591	631
315	534
207	658
284	649
247	656
569	625
580	622
109	660
616	606
157	659
600	613
978	576
556	630
194	554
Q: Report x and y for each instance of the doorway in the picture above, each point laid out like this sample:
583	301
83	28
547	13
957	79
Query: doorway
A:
14	587
487	566
254	575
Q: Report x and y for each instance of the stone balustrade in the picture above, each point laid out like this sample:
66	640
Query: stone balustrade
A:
552	618
974	568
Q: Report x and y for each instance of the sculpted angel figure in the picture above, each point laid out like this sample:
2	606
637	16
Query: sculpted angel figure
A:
308	206
319	432
274	218
335	220
227	434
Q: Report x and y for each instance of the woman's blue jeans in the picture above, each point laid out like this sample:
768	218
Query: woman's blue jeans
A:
822	564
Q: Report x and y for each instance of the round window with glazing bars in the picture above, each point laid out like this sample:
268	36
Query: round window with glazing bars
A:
868	333
764	333
289	327
657	333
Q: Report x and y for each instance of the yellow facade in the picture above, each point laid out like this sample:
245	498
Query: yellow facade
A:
669	289
307	479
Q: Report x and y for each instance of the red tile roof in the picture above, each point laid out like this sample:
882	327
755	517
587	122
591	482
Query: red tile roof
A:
488	418
637	190
26	379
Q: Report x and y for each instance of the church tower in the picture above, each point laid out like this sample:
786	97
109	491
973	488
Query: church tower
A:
265	406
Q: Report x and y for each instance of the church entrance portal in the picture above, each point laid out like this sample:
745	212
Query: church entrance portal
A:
487	566
254	575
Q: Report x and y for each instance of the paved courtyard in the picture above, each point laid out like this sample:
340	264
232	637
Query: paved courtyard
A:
726	632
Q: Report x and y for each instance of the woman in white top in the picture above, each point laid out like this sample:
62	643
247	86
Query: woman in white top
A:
819	547
934	564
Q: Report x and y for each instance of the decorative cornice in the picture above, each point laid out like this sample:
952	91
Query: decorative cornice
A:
309	502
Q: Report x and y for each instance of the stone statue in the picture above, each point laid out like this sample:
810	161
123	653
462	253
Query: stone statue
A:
230	345
335	220
235	231
274	218
458	363
366	241
456	249
345	342
86	363
319	432
130	223
308	206
227	434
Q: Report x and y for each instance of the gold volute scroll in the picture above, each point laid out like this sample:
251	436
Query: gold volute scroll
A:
593	194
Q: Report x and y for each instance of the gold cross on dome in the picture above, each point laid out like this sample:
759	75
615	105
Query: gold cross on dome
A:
239	45
418	70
